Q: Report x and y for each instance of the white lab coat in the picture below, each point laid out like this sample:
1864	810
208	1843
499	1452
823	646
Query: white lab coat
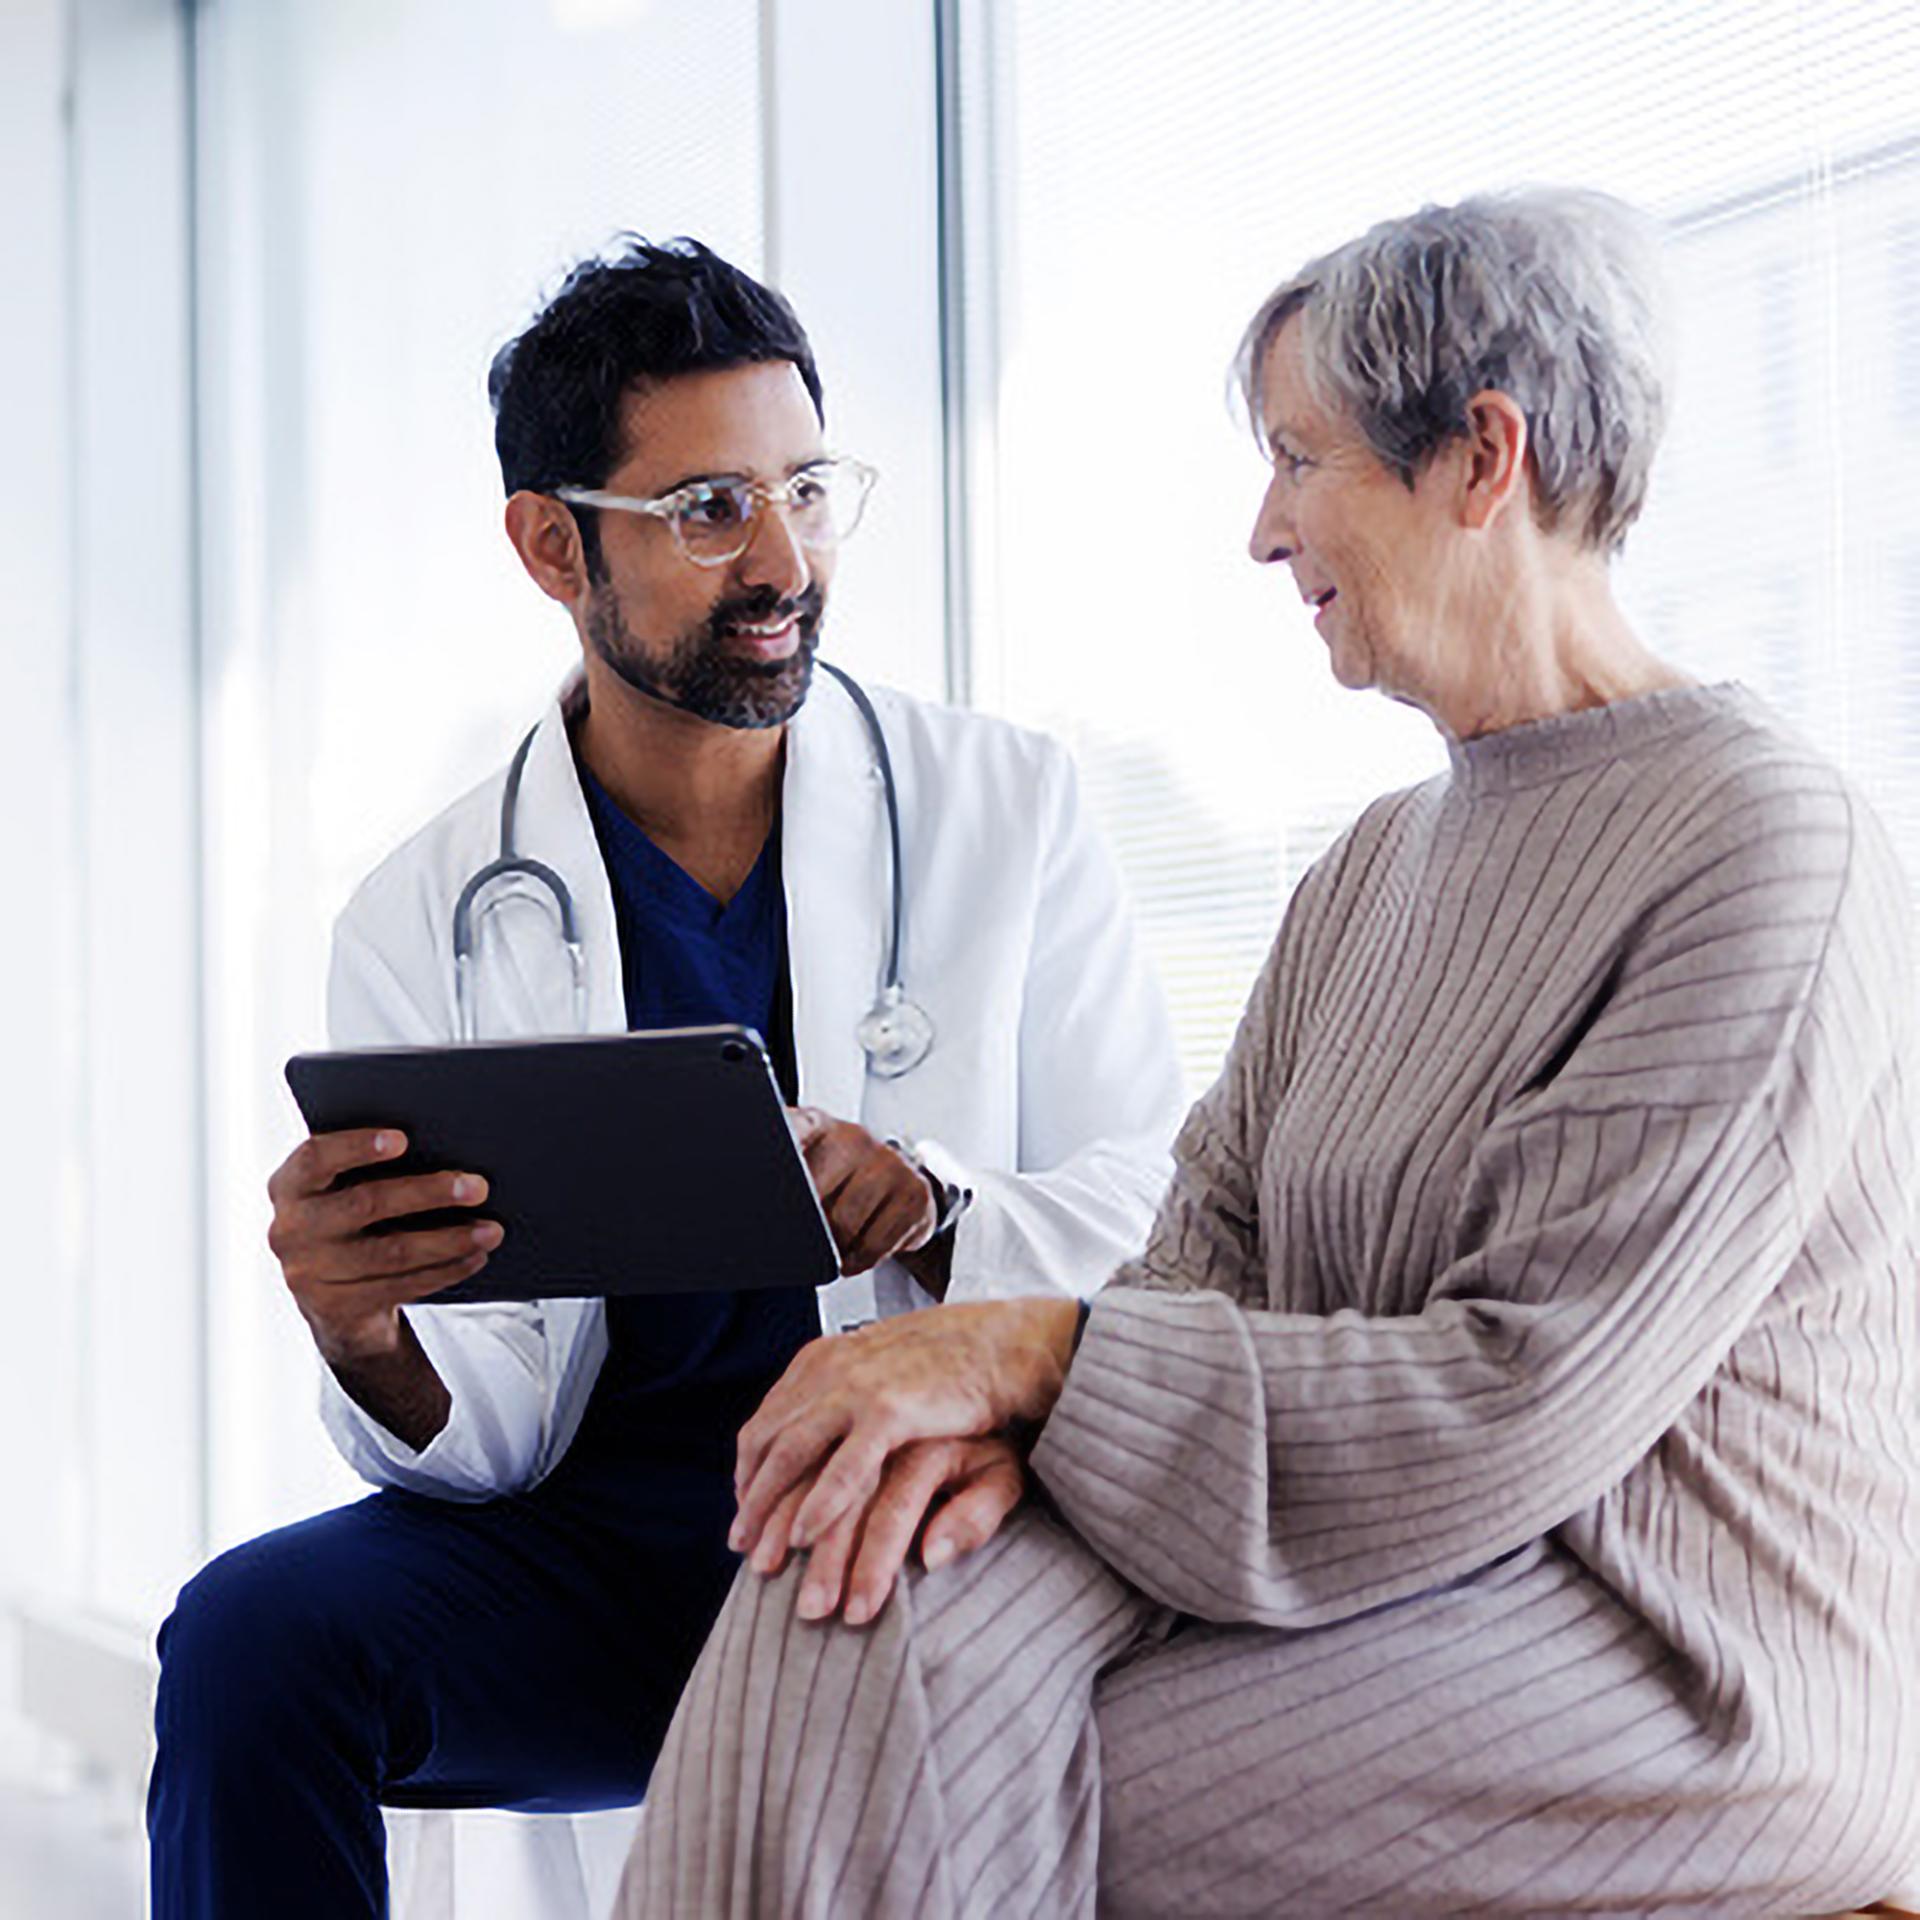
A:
1052	1090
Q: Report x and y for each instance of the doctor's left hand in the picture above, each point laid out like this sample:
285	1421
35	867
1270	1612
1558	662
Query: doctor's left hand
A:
877	1203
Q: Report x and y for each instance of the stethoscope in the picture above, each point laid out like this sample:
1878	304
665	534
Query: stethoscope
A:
895	1033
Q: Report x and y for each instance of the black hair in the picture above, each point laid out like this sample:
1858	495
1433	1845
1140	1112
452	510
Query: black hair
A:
627	319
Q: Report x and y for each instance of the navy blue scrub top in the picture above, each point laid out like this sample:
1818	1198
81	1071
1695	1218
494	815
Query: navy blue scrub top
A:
684	1371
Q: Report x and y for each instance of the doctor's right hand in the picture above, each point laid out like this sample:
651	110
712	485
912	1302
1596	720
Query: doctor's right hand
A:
877	1202
348	1279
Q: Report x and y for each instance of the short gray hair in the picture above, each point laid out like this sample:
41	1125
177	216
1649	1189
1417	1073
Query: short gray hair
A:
1552	296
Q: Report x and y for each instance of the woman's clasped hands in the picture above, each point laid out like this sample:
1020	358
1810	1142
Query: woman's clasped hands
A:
907	1429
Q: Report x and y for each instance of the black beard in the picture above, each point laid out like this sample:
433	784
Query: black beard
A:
701	674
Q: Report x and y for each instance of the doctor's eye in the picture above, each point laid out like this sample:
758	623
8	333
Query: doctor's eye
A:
809	492
711	509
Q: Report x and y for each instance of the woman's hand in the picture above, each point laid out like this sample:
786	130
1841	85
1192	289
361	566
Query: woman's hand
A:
855	1562
850	1402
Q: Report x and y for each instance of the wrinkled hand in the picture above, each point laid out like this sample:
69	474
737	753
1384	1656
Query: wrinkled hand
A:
968	1486
850	1402
877	1204
348	1280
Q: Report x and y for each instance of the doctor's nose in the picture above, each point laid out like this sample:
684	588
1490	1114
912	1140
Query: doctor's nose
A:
773	556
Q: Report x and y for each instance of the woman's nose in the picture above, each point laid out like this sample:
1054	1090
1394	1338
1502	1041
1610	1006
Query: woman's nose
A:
1272	537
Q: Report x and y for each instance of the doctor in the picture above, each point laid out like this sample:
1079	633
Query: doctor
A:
905	900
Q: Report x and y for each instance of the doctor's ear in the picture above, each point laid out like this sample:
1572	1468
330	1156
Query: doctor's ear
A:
548	542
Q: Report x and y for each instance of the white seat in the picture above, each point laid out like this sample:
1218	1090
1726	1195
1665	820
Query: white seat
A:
485	1865
482	1865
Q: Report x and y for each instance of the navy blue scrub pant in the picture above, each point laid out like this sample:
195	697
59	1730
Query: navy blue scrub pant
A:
525	1653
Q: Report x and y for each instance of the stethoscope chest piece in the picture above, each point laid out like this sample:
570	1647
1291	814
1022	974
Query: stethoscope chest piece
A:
896	1034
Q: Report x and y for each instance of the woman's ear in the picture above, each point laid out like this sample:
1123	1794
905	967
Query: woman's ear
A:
1497	441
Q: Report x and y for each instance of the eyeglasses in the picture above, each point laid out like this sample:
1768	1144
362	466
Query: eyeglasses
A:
713	521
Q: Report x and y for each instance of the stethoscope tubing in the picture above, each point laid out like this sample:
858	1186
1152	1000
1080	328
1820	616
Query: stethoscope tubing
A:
896	875
896	1034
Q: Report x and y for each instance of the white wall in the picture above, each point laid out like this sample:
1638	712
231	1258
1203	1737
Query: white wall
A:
40	1512
136	715
101	1502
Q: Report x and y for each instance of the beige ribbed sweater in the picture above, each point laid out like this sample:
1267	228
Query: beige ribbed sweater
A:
1494	1491
1560	1189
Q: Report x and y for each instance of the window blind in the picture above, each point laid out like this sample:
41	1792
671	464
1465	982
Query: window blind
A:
1151	169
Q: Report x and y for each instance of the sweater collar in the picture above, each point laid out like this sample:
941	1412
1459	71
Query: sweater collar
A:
1539	751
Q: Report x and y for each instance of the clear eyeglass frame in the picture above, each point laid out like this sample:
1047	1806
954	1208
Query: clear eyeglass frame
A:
823	504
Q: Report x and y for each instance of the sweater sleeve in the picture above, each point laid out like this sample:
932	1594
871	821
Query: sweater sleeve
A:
1623	1217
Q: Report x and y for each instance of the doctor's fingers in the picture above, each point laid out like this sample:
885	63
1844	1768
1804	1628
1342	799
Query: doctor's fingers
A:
348	1211
832	1148
317	1162
388	1256
844	1157
341	1302
871	1225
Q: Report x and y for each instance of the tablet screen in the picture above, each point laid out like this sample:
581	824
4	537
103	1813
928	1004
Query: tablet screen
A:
626	1163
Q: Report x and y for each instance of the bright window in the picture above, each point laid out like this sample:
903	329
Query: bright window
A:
1140	174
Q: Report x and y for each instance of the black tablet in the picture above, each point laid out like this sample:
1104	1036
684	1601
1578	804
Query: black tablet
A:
633	1163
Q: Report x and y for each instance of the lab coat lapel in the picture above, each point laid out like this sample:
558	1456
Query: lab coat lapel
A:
833	852
552	825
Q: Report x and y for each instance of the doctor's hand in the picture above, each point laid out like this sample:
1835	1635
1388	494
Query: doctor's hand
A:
967	1486
877	1204
850	1403
348	1279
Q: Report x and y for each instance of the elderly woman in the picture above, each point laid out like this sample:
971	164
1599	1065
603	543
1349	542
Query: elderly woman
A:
1495	1487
